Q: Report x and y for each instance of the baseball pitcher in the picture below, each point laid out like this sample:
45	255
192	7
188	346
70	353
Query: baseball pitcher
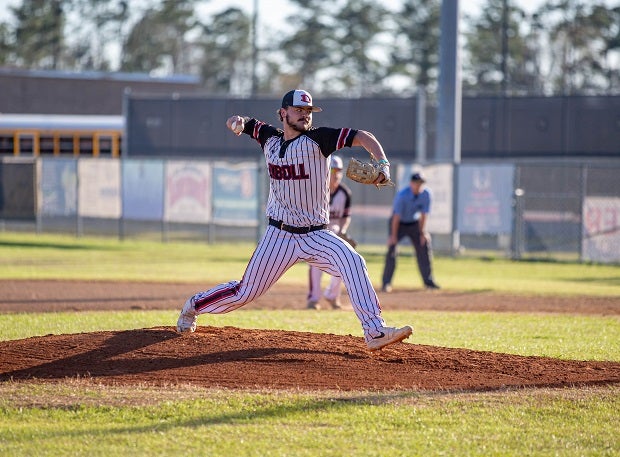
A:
297	159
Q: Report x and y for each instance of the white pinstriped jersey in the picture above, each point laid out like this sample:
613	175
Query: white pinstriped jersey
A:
339	207
299	171
299	196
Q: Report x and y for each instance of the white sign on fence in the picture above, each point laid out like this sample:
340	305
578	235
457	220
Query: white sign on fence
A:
188	192
99	188
601	229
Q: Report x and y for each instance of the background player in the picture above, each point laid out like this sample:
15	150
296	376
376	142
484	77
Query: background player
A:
412	205
297	160
339	221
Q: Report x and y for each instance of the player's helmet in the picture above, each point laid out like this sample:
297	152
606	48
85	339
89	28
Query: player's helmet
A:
336	163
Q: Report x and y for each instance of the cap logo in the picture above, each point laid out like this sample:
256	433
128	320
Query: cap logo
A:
305	98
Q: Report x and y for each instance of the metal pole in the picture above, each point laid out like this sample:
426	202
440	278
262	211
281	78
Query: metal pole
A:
421	126
504	64
254	49
448	144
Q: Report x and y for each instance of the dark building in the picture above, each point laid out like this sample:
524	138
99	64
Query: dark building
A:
57	92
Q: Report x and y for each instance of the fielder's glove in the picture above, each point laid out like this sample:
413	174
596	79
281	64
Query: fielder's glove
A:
348	239
369	172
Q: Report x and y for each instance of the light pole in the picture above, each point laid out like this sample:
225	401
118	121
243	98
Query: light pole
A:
254	88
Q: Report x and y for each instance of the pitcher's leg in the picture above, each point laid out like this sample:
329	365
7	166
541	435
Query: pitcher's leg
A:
338	258
273	256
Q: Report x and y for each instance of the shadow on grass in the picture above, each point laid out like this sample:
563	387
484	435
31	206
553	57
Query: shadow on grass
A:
608	281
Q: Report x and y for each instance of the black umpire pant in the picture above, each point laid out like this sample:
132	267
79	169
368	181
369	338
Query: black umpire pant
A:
423	253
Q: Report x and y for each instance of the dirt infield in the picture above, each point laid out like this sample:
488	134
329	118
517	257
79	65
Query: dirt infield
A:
235	358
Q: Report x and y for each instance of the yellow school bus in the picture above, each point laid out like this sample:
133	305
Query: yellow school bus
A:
56	135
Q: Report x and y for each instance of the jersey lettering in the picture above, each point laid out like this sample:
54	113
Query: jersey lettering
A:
288	172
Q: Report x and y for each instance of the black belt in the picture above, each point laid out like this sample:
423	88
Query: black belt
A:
292	229
409	223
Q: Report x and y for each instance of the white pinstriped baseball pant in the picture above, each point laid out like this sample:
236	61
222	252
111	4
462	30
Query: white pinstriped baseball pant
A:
279	250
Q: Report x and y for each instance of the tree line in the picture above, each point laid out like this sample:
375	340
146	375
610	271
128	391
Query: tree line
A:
331	47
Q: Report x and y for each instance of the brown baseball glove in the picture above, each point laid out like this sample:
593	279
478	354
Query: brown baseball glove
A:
348	239
368	172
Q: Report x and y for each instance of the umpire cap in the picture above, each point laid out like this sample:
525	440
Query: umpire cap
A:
418	177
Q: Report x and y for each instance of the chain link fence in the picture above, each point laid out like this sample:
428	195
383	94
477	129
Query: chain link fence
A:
524	210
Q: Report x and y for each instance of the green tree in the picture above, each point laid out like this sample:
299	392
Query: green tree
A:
39	33
6	46
415	52
501	54
361	67
101	24
579	36
226	53
159	40
612	47
307	51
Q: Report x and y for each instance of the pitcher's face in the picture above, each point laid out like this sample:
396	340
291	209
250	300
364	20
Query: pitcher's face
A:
298	118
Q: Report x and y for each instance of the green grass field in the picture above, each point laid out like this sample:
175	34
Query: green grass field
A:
80	417
65	257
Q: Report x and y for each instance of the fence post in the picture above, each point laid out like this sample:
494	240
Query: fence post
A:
517	216
583	194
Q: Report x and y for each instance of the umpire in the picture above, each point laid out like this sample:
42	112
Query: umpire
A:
409	217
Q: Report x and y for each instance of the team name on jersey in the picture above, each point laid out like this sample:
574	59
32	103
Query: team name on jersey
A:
288	172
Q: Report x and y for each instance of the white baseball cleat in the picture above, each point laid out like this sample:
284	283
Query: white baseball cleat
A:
188	317
389	335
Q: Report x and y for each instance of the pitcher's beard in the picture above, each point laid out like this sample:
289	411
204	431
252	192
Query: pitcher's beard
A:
295	127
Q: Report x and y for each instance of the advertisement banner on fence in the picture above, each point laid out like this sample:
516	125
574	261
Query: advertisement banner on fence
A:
235	194
188	192
99	188
485	199
440	183
601	229
143	189
58	187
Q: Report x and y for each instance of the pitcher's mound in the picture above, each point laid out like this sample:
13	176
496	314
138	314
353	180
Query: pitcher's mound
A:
239	358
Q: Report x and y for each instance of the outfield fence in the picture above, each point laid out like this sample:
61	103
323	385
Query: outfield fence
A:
566	211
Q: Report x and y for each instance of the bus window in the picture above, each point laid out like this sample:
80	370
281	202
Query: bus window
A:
86	145
46	144
66	144
27	143
6	144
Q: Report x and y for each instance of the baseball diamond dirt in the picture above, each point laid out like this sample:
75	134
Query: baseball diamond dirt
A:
239	358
